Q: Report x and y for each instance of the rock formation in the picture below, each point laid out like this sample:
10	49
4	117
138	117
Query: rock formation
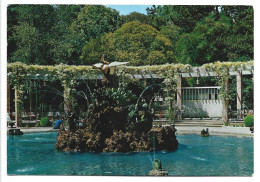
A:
119	141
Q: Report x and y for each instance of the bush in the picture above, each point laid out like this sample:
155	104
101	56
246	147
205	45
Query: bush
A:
44	121
249	120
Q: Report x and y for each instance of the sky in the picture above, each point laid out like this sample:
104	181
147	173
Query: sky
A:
126	9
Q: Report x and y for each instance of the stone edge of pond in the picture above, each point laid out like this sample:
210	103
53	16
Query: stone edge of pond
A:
216	134
36	130
180	131
220	131
188	132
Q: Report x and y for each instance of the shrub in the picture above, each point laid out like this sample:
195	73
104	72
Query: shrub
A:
44	121
249	120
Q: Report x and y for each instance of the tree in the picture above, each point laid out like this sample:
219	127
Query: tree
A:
92	21
156	20
173	33
134	42
62	38
219	37
54	34
240	38
206	42
185	17
11	22
31	34
135	16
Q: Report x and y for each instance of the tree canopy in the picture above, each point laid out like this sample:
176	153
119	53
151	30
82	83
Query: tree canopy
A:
80	34
134	42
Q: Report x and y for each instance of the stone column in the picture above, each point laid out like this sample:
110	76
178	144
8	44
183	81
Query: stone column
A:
239	94
8	97
225	103
66	96
179	96
31	96
17	112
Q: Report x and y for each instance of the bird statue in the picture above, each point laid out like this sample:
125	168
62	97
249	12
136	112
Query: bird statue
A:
108	68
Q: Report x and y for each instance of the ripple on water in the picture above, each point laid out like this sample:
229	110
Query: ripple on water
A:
198	158
23	170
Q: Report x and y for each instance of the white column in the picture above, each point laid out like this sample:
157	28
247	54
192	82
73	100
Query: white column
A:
179	96
239	90
17	112
225	117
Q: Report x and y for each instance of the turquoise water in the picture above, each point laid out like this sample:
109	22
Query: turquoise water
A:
35	154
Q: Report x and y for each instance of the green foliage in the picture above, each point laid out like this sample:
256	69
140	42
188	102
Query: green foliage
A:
95	20
121	96
217	37
92	21
203	44
185	17
156	57
31	34
249	120
133	43
79	34
139	118
135	16
44	121
47	34
63	38
247	92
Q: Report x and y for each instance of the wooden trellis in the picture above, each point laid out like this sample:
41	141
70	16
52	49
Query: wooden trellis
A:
145	73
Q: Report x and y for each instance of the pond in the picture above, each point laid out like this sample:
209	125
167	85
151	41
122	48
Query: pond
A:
35	154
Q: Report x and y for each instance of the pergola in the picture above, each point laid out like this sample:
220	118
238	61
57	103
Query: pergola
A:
18	72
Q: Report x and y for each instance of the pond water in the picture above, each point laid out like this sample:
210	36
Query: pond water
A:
35	154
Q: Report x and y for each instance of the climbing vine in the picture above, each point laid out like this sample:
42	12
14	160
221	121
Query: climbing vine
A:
222	69
20	74
170	82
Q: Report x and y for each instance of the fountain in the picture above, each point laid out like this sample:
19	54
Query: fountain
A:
116	121
157	169
204	133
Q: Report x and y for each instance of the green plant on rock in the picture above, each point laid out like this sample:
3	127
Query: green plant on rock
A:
139	118
122	96
249	120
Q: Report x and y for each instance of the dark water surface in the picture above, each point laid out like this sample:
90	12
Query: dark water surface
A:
35	154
